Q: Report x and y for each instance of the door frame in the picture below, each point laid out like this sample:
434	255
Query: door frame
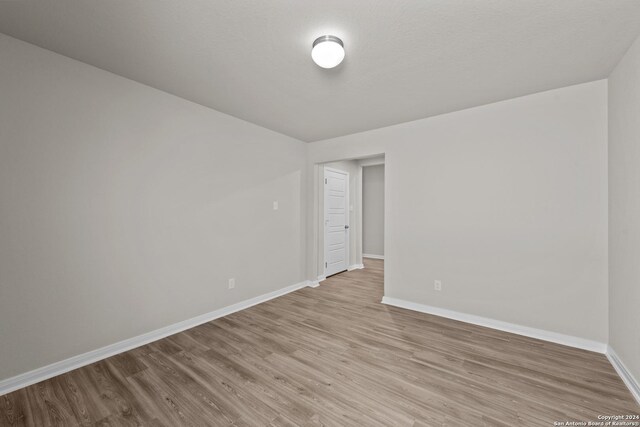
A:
347	218
314	266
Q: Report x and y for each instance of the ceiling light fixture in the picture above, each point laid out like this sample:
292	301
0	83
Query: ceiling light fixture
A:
327	51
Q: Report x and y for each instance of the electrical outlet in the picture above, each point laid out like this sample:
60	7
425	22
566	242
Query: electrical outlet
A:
275	205
232	283
437	285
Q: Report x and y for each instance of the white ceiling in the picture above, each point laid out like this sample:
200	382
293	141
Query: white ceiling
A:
405	59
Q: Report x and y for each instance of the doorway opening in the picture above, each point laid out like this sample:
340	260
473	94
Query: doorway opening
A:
350	212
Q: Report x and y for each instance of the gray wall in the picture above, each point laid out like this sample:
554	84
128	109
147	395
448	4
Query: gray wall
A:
373	210
505	203
624	210
124	209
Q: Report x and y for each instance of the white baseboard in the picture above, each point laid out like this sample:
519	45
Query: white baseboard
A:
540	334
372	256
355	267
316	283
28	378
632	384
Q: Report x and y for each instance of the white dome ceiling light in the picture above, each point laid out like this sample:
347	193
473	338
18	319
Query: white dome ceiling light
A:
327	51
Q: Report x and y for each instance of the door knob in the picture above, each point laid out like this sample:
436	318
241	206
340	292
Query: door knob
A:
346	227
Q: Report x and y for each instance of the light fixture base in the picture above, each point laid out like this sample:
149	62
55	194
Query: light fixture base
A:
322	39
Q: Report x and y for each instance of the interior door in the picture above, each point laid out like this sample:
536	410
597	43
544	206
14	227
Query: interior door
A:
336	221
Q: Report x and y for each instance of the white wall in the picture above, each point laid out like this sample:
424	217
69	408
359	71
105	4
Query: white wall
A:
124	209
624	209
373	210
505	203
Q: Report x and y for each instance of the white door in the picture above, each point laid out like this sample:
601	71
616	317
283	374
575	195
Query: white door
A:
336	221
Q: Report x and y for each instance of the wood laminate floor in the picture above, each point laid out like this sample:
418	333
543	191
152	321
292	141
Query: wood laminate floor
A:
333	356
